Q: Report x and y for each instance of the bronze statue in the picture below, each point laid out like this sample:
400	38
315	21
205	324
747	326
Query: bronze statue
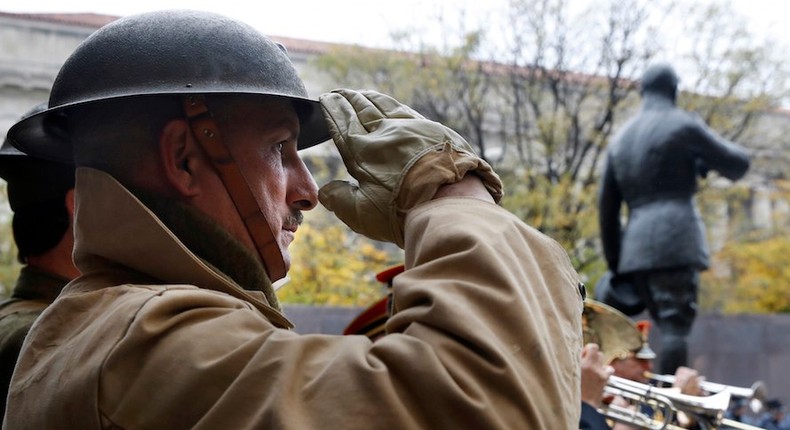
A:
652	166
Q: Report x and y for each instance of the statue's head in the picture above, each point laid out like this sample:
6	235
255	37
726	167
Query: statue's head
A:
660	79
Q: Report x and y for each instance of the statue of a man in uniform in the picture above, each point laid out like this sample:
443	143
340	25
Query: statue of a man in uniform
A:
652	167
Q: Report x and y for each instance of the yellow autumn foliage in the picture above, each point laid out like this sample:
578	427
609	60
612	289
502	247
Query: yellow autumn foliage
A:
333	266
756	279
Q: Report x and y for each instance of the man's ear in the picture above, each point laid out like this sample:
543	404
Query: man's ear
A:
178	153
69	202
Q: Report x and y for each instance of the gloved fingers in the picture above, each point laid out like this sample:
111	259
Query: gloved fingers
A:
336	194
367	113
389	107
371	107
341	118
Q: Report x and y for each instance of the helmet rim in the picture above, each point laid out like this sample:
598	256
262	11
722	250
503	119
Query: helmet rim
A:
167	53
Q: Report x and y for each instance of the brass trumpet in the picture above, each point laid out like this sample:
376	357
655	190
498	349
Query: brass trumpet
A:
638	395
708	411
756	394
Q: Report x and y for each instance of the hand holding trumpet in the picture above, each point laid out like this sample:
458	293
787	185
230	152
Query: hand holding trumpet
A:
677	410
595	375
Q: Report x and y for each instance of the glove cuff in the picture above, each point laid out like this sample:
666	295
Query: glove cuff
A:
442	164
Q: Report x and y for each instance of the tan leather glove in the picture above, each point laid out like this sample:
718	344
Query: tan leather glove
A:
399	158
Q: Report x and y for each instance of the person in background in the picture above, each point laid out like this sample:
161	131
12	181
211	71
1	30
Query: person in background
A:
623	342
372	321
739	411
624	347
41	196
774	416
595	375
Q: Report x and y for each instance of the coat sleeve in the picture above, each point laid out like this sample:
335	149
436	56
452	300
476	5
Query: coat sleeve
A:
719	154
486	334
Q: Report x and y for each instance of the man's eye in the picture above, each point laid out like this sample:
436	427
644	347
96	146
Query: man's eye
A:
280	146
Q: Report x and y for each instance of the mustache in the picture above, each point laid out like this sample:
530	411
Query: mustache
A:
295	218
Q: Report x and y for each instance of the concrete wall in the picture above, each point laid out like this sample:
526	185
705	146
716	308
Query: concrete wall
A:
735	350
31	53
741	349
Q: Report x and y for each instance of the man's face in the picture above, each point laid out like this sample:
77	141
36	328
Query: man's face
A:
262	138
633	368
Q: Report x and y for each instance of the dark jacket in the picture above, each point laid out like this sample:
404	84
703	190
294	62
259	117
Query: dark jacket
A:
592	419
33	292
652	166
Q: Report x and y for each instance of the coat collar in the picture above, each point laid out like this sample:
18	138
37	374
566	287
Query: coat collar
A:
113	227
37	284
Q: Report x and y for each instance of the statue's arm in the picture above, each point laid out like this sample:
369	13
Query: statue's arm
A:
717	153
609	202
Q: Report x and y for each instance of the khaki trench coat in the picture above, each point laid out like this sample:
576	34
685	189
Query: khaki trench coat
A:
486	335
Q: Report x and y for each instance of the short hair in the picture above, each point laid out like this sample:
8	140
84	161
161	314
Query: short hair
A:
40	227
37	195
115	135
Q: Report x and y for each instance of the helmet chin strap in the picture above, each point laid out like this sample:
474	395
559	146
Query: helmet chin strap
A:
206	132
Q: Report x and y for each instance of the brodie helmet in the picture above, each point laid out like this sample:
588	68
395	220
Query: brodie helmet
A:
36	191
31	180
184	53
167	52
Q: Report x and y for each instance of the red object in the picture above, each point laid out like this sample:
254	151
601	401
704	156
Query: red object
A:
387	275
371	321
644	327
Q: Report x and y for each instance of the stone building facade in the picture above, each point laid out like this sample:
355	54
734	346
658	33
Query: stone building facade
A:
34	46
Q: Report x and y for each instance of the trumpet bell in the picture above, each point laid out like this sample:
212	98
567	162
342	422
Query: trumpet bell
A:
759	392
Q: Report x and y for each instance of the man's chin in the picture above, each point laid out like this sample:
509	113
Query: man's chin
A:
286	238
286	257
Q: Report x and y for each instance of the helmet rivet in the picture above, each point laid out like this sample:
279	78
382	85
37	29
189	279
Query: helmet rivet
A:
189	85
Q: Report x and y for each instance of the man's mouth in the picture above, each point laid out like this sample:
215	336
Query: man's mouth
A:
292	222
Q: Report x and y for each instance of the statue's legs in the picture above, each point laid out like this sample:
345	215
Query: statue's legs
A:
671	299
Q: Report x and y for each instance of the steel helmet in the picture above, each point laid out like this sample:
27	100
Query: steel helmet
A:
168	52
36	191
32	180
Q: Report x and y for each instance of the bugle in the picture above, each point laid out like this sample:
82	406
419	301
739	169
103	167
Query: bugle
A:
707	411
638	395
756	394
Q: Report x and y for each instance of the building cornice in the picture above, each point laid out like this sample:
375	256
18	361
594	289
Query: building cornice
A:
96	21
